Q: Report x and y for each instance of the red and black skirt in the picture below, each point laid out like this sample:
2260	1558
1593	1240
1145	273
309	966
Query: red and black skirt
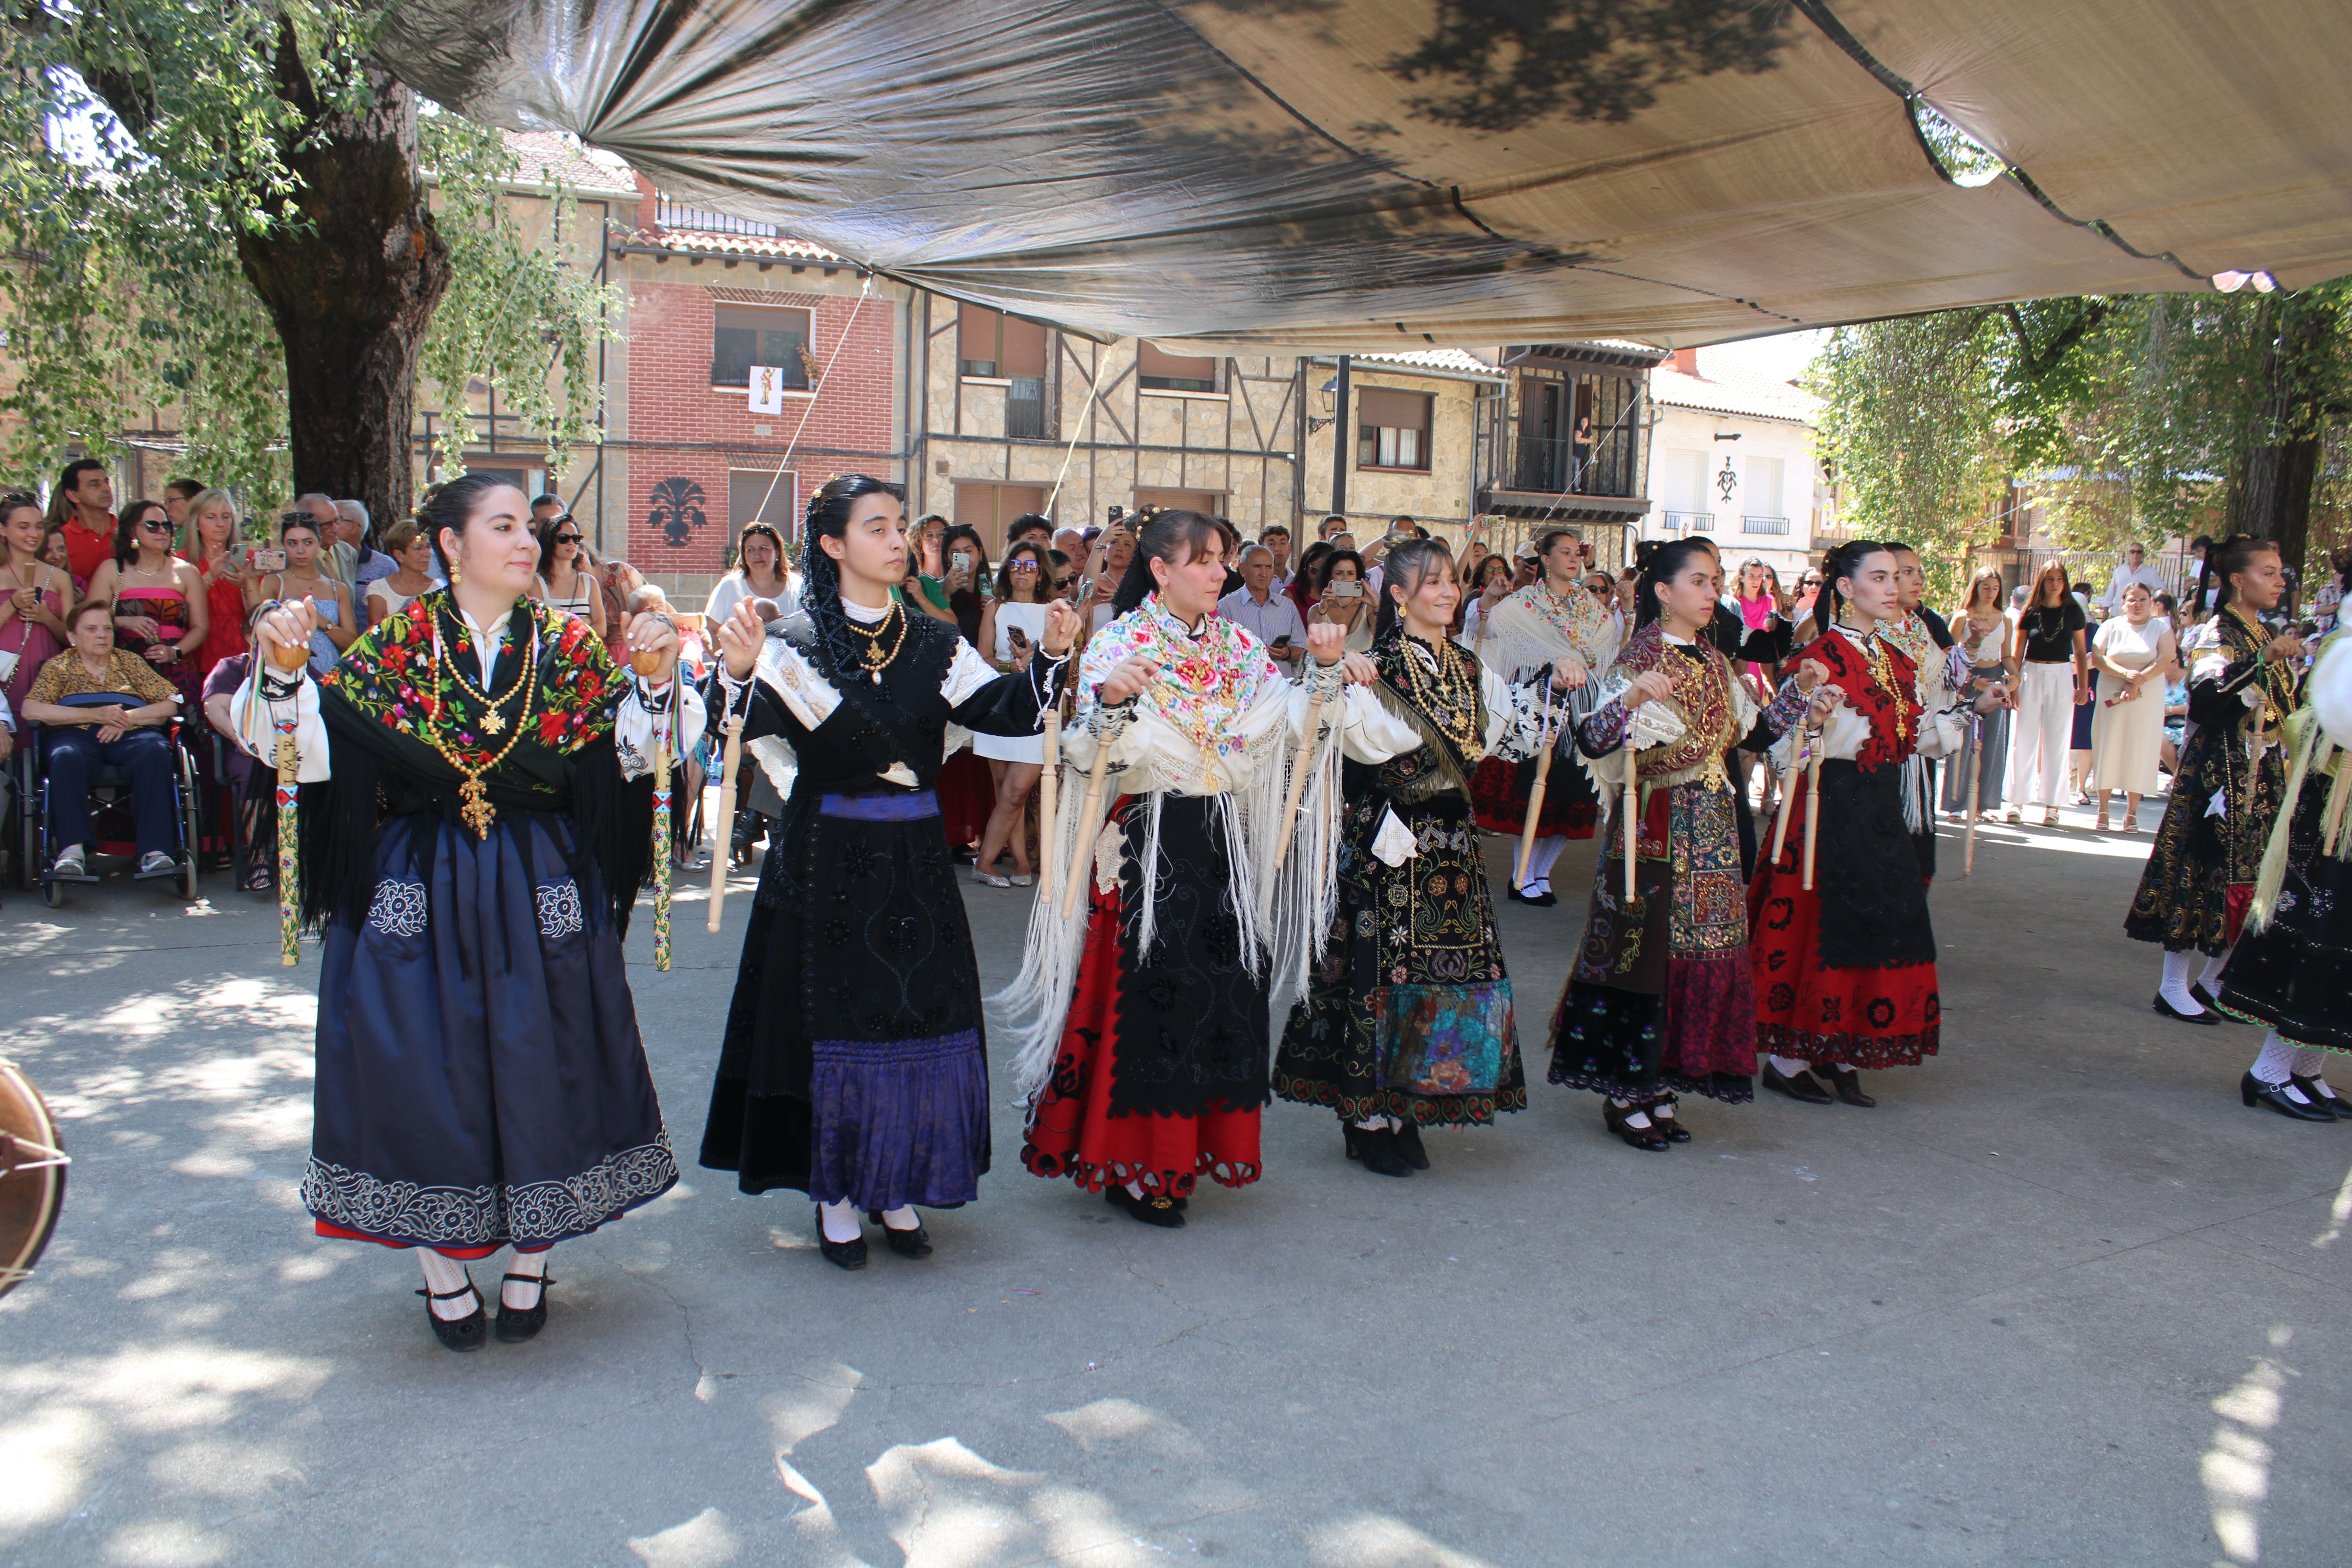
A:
1846	971
1499	793
1160	1077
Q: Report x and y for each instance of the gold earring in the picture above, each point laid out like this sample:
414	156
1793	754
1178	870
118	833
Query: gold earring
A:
456	574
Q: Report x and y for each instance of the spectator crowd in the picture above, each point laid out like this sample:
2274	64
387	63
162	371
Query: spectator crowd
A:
119	624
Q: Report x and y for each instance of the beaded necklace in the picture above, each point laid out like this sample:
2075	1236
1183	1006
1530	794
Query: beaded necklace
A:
492	724
1882	674
1441	682
474	800
872	656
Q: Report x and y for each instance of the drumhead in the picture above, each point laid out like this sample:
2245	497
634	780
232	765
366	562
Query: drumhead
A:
32	1177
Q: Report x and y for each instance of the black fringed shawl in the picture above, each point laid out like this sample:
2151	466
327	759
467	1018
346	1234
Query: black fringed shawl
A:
381	697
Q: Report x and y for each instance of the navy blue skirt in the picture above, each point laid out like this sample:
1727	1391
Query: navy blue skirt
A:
481	1080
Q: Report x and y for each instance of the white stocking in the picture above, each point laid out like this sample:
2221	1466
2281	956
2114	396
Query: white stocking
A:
1790	1067
520	1294
442	1275
840	1221
903	1217
2175	988
1546	853
1635	1119
2211	978
2311	1064
2276	1063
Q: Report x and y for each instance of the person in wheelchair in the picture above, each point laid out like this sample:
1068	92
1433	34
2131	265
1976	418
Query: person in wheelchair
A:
106	708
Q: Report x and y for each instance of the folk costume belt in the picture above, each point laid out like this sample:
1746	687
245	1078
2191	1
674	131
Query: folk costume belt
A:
881	807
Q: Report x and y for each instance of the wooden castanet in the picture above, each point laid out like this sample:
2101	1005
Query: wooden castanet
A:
1812	812
1632	804
1798	746
1976	777
1297	791
1079	857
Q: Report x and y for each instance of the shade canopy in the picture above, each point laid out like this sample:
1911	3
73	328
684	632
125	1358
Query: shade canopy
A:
1370	175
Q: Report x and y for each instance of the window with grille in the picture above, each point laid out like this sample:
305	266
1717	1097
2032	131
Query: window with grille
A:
1391	430
744	335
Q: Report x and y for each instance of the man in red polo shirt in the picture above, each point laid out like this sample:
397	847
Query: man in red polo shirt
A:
85	499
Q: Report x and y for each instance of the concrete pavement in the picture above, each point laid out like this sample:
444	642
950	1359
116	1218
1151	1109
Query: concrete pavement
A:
2058	1300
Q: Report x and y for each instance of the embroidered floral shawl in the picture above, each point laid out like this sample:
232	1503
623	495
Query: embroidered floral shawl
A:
1894	715
1208	679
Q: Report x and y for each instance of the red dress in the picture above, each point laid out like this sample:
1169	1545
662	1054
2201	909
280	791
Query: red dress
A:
225	620
1845	972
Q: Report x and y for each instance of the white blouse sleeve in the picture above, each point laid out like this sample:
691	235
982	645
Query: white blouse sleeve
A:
644	712
258	717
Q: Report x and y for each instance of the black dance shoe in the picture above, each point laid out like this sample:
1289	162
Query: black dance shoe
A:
1847	1084
517	1324
2254	1091
1804	1087
1378	1148
850	1254
1151	1208
1516	897
2204	998
1544	900
1408	1146
912	1242
2170	1011
2316	1092
1612	1117
466	1333
1669	1127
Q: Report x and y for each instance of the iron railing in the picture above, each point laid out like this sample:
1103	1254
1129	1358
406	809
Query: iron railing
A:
670	215
1763	525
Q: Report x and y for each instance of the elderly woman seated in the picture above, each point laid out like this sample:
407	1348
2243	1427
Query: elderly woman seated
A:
102	706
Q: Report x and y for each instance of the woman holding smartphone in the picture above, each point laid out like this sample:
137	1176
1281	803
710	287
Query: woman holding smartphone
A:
1010	628
1339	599
160	609
33	598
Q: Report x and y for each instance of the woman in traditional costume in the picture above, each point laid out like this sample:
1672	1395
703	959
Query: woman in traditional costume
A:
1407	1019
854	1067
2292	970
471	850
1553	621
1940	675
1981	632
1845	970
1143	1022
2226	791
1660	1000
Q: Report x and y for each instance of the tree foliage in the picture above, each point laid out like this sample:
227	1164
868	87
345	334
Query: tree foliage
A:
2140	417
140	142
1911	427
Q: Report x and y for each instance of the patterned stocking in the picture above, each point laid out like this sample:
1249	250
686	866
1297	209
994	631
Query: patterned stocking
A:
442	1275
2276	1063
2174	989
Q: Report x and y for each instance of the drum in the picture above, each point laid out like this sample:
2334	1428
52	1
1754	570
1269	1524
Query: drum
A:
32	1177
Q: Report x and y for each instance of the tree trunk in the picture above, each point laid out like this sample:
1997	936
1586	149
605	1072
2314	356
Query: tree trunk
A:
352	287
2270	495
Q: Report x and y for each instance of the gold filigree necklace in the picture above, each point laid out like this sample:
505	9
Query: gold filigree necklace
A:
492	723
473	800
872	656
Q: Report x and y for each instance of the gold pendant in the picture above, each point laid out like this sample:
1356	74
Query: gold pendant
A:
491	723
475	808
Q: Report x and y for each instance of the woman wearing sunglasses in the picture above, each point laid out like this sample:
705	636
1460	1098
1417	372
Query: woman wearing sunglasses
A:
567	580
160	608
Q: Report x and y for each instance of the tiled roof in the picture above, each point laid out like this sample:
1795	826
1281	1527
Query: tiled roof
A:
550	157
1726	389
781	247
1456	360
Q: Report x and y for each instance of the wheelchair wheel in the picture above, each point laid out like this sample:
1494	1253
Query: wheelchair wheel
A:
53	894
188	878
191	827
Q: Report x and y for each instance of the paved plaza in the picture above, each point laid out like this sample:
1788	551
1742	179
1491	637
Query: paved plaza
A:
2058	1300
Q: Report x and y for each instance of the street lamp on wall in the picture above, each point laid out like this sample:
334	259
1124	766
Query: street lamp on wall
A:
1330	393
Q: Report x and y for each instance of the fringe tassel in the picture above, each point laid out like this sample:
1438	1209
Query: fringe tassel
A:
1298	902
2271	877
1030	1011
1915	795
